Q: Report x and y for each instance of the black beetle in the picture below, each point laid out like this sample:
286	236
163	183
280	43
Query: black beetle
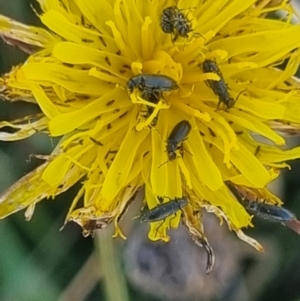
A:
219	87
151	86
178	134
270	212
162	211
266	211
173	21
166	20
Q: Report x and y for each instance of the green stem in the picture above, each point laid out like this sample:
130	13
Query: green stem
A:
114	281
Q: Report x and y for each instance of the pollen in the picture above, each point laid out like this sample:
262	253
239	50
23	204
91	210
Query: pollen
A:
156	97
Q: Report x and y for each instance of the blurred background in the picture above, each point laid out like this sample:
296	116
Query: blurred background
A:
38	262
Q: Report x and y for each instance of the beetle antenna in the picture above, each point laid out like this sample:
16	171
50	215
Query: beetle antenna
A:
236	99
163	164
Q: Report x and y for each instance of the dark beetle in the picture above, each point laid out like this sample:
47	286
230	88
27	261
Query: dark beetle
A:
181	23
166	20
164	210
219	87
267	211
173	21
270	212
178	134
151	86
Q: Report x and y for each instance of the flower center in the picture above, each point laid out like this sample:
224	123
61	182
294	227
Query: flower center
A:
162	63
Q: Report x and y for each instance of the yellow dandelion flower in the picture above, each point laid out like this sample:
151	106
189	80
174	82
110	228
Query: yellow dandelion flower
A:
169	96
